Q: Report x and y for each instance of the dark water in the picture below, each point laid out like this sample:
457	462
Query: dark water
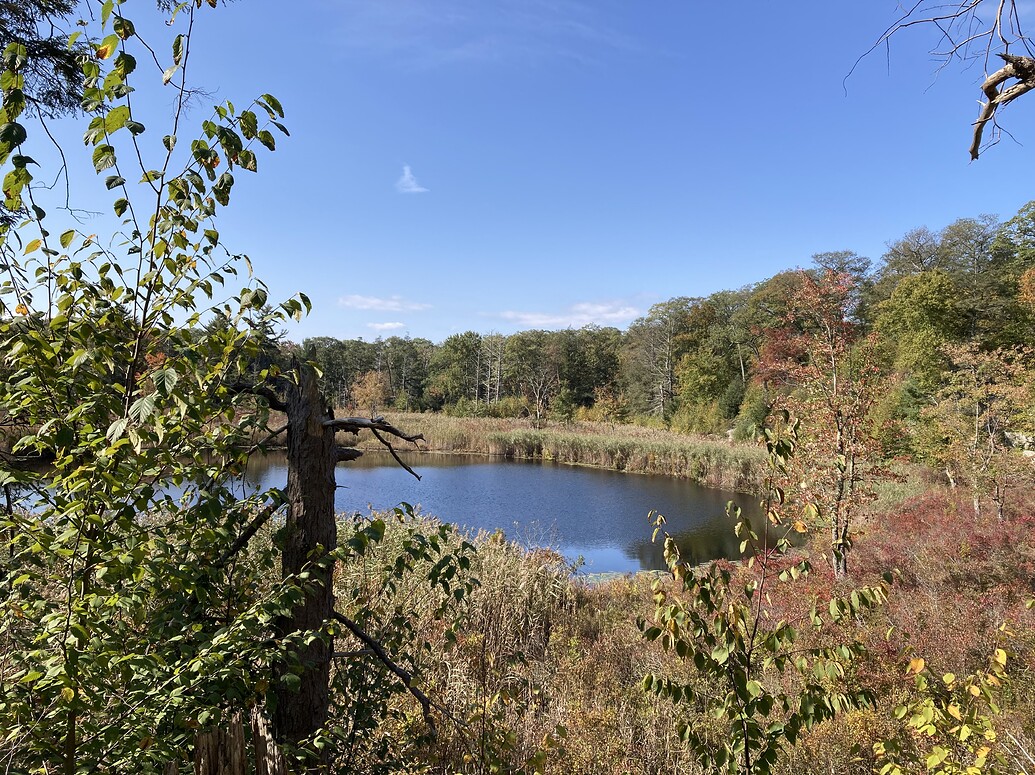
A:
598	515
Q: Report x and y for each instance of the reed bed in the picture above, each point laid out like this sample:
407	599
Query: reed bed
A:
630	448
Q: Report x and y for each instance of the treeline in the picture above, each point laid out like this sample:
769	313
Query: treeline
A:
704	364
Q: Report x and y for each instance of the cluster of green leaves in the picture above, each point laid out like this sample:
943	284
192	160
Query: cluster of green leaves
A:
133	611
761	685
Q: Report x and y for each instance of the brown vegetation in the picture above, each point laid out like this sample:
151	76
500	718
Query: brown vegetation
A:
547	668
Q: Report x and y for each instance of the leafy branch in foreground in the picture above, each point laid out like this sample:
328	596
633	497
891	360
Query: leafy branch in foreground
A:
133	612
755	680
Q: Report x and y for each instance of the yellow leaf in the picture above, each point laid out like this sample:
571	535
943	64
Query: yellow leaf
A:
68	694
954	711
21	309
916	665
974	690
1000	657
801	527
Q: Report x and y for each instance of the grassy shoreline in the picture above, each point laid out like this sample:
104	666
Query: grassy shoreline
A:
628	448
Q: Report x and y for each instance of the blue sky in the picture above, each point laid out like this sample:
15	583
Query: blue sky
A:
504	164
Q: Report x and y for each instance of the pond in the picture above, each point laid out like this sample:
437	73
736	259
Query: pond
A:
598	515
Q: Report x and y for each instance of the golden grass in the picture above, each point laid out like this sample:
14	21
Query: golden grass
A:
631	448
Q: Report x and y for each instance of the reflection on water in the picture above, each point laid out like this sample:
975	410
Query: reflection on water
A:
598	515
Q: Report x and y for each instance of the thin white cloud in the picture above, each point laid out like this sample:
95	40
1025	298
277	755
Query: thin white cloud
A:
390	304
386	326
576	316
522	32
408	184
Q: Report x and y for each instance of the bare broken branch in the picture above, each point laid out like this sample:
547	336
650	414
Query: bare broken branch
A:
968	31
404	675
347	454
261	391
377	426
1021	68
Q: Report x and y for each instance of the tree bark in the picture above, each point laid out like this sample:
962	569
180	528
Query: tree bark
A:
311	532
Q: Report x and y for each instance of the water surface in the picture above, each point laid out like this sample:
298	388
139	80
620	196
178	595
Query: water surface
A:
598	515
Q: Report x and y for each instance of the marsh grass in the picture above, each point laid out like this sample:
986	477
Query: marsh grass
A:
630	448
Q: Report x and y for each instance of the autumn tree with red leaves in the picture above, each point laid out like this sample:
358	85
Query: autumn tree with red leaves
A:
831	382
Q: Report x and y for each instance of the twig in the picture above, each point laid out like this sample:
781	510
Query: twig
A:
261	391
426	703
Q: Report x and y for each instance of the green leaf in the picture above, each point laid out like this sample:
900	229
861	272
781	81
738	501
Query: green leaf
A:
124	65
123	28
120	206
67	237
107	47
249	124
113	181
116	118
165	380
15	56
12	134
273	103
267	139
116	430
103	157
177	49
143	408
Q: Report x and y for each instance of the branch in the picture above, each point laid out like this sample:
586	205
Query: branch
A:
401	673
377	426
242	540
275	402
1022	68
347	454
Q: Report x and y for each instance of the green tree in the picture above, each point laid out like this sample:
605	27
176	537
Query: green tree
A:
921	316
455	367
533	370
651	354
986	397
142	601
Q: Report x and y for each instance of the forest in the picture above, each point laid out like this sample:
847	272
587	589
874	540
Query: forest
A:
710	365
157	619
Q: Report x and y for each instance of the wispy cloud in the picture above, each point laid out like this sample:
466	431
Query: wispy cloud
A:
425	34
386	326
576	316
408	184
390	304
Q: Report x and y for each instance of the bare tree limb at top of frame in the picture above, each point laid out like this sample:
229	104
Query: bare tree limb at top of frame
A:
975	30
1021	68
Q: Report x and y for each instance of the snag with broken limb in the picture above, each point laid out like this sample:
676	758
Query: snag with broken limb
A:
308	556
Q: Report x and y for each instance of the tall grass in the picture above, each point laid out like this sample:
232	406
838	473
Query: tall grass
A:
630	448
537	648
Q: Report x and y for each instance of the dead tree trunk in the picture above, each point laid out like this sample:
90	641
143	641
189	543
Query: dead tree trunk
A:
310	534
